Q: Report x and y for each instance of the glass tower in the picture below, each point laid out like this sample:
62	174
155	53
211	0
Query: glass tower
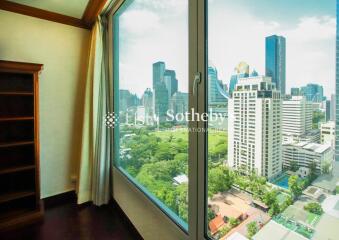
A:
276	61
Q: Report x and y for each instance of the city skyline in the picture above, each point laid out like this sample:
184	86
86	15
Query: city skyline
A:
310	34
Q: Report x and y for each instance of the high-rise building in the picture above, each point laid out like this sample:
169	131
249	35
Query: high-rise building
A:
327	110
171	82
242	70
295	91
158	73
160	92
313	92
254	127
276	61
160	102
147	102
217	96
327	132
296	117
337	88
127	100
179	103
332	118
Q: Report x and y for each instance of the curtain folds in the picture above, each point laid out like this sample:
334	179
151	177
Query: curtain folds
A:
95	164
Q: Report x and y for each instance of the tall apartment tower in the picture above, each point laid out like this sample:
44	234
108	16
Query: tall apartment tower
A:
296	117
160	92
158	73
275	61
254	127
332	107
337	89
171	82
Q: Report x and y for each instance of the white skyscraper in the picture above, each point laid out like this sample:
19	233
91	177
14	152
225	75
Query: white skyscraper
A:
296	118
254	132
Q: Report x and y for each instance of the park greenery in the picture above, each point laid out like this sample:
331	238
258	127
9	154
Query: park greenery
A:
314	207
317	117
252	229
155	157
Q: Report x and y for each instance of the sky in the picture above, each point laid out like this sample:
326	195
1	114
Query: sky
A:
236	32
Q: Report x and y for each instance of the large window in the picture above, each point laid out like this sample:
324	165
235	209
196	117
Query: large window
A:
227	112
271	73
151	98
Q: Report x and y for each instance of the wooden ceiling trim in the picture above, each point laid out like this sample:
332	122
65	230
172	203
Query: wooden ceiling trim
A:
93	9
44	14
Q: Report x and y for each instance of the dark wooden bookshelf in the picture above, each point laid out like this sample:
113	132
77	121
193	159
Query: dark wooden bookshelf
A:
14	169
20	202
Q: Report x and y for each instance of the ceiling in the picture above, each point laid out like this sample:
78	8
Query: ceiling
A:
72	8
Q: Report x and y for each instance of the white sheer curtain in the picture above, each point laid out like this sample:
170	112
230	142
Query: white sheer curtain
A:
95	164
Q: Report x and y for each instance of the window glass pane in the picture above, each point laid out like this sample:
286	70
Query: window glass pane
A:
151	98
271	102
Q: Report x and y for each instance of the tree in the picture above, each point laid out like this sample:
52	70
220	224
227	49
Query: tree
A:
210	215
294	166
233	222
288	201
269	197
325	168
294	186
220	179
224	230
313	170
318	117
252	229
314	207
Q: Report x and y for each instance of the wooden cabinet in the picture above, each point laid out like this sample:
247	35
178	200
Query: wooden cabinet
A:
19	144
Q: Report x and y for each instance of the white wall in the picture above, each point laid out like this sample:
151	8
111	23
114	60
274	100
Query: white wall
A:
63	50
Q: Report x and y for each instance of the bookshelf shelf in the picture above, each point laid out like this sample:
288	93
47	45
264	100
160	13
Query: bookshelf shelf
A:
19	144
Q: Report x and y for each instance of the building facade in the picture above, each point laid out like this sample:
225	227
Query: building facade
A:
313	92
275	61
296	117
327	133
217	96
304	154
332	118
254	127
295	92
179	103
171	82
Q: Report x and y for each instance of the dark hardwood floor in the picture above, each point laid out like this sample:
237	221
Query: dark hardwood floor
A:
71	222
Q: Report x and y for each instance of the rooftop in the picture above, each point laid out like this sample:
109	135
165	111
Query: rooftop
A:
328	181
215	224
278	231
237	236
327	228
180	179
315	147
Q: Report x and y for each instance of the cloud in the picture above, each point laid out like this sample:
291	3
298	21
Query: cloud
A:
150	33
311	52
236	36
158	30
139	22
